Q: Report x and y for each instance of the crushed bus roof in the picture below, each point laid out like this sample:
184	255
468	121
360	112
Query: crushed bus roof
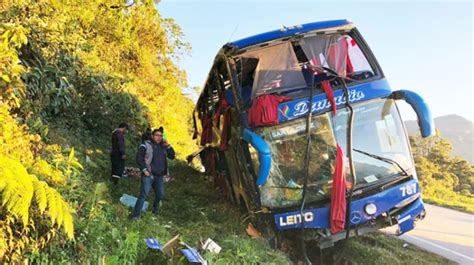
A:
288	31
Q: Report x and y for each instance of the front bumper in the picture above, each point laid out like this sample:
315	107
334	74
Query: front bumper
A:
400	204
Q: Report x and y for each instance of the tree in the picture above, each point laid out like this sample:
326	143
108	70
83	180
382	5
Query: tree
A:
437	169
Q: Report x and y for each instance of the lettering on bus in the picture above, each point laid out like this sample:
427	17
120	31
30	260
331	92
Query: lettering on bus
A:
409	189
296	219
302	107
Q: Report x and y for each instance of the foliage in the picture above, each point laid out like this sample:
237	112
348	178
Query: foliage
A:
12	37
69	73
445	180
93	75
27	201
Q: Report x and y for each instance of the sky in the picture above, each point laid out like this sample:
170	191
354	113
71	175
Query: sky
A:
424	46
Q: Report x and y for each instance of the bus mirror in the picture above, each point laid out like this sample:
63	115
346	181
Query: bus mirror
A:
425	120
264	154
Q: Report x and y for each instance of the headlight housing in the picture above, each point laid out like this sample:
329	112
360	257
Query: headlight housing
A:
370	208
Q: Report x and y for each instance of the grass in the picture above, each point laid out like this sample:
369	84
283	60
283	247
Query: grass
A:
453	201
195	210
378	248
192	208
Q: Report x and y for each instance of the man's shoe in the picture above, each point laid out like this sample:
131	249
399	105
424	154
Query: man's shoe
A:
134	218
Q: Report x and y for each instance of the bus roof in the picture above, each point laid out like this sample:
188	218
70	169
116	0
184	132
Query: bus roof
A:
288	31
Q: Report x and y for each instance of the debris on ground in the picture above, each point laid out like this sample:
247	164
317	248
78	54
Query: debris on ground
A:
130	201
168	178
253	232
133	172
212	246
191	254
170	246
153	243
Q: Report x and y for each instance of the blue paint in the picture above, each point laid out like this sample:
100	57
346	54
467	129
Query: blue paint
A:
192	255
425	120
299	108
276	34
406	220
264	154
153	243
384	201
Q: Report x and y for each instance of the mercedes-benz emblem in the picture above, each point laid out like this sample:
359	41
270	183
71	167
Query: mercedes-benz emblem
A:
356	217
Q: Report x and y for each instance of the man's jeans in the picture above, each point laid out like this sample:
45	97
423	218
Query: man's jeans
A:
155	182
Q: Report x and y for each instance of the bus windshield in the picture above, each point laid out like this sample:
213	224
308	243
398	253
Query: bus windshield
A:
377	132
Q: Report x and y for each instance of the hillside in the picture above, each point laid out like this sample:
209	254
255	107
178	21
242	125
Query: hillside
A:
446	179
457	130
195	210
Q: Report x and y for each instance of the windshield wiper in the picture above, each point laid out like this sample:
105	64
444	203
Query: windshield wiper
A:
382	183
384	159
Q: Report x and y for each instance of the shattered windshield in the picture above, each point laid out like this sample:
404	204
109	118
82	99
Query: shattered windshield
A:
289	65
377	130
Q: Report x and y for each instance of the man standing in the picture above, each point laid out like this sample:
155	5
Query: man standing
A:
117	155
159	166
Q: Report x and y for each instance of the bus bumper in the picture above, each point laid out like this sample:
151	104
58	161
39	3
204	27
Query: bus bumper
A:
406	220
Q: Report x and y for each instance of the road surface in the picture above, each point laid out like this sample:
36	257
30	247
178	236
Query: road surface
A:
446	232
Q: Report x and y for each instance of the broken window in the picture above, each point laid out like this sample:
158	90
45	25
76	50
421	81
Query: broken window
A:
339	53
277	69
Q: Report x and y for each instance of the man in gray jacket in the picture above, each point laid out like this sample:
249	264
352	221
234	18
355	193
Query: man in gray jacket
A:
154	169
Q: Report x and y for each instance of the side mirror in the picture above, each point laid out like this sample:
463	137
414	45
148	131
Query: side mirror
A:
423	113
264	155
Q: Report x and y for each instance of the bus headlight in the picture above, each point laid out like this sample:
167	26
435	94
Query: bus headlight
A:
370	209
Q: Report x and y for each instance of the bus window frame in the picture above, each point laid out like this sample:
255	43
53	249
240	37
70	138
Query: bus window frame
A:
353	33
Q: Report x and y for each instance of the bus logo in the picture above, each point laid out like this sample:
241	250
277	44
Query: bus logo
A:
296	219
291	111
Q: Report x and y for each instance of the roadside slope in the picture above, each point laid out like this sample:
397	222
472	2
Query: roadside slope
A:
196	211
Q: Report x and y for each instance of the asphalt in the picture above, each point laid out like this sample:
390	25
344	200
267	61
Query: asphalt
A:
446	232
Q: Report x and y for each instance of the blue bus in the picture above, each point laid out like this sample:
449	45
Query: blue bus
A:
300	127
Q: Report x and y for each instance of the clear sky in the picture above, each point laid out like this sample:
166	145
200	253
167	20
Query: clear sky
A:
424	46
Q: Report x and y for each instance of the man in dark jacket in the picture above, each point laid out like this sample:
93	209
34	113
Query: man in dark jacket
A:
117	155
159	165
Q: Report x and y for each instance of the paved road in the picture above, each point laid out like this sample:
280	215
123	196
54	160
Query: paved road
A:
446	232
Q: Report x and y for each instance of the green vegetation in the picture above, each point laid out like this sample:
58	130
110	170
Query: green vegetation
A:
196	211
381	249
70	71
445	180
192	209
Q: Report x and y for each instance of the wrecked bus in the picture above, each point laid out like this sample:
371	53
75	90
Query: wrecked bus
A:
300	128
